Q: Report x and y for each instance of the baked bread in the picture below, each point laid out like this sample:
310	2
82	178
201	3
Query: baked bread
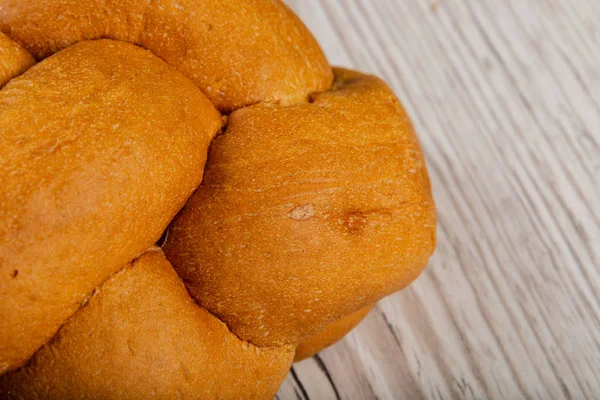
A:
330	334
14	60
313	204
88	148
141	336
306	213
237	52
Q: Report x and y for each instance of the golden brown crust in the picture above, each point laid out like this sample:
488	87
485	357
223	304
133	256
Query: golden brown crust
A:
141	336
91	139
237	52
331	334
315	205
14	60
306	213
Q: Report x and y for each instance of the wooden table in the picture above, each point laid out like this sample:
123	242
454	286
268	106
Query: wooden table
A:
505	95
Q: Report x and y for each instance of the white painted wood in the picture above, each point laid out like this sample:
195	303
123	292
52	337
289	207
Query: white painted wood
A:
505	96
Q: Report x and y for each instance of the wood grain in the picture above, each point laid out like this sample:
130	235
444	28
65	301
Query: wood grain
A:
505	96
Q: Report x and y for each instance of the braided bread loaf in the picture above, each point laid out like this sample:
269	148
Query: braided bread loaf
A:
311	204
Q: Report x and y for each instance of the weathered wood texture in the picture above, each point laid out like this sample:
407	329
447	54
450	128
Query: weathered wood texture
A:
505	95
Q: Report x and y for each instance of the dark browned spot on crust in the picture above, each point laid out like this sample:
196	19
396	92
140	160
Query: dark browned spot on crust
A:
15	273
354	222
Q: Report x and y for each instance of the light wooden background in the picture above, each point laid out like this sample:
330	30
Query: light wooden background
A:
505	95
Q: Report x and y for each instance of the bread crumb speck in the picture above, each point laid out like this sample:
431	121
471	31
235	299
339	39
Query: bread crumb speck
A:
302	213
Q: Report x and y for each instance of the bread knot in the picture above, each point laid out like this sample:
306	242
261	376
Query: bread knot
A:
286	197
